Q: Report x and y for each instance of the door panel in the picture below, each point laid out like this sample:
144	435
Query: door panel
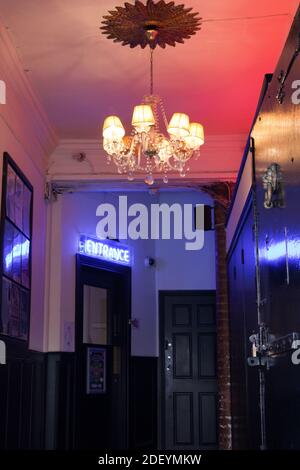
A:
189	384
182	356
183	418
208	418
207	354
95	300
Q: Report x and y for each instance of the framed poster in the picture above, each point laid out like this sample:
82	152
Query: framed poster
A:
16	227
96	370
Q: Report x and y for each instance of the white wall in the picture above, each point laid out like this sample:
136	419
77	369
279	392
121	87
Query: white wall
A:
176	268
26	135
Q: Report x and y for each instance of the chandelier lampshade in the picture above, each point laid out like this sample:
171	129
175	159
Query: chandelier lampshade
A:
196	135
147	150
179	125
142	118
113	128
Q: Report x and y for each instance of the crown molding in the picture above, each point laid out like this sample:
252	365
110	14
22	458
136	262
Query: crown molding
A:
65	167
228	141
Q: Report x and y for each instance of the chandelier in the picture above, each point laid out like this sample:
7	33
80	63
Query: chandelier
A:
148	150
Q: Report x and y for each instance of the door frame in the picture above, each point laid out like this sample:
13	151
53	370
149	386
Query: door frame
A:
82	262
162	294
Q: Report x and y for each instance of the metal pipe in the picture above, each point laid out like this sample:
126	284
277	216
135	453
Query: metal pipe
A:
262	407
261	336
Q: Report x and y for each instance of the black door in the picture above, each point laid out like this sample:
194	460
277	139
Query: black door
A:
188	359
102	352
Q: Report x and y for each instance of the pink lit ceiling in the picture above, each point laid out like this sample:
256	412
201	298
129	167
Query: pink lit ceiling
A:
81	76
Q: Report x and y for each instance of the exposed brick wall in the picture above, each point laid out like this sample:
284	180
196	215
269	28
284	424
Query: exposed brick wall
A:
223	332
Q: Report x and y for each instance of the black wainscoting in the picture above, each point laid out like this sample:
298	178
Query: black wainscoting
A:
22	391
143	403
36	399
59	401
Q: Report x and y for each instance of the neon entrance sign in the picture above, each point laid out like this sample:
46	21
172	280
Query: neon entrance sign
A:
108	250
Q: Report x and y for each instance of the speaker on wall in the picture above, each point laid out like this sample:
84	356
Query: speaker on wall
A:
208	218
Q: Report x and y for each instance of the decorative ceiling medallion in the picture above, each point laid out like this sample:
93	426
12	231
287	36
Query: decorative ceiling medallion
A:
154	24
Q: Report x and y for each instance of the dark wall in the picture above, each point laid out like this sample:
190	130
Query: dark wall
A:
277	140
59	401
143	403
37	400
22	394
243	322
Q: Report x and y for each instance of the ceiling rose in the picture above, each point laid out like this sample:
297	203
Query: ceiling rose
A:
151	24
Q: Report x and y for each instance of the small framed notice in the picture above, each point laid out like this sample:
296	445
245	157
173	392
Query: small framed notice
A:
96	370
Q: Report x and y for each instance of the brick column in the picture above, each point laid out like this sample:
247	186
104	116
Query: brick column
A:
223	333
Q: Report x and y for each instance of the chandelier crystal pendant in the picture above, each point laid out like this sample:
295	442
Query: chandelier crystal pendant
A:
147	150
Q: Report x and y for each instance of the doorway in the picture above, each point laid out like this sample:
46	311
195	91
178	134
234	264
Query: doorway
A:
188	370
102	351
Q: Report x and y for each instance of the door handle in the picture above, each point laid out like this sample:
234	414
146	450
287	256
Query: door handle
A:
168	354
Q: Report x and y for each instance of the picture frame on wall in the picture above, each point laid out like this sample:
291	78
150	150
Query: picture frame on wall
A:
15	251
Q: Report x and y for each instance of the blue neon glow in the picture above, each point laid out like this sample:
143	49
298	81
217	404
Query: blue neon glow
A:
108	250
280	249
19	250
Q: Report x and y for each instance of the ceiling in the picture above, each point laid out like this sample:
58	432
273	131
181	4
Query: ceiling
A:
81	76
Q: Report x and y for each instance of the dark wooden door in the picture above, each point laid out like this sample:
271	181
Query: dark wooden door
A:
102	354
188	358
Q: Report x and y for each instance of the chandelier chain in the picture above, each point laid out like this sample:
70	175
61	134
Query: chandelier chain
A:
161	105
151	71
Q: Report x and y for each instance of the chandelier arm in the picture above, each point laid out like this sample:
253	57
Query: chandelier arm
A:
132	146
163	113
139	157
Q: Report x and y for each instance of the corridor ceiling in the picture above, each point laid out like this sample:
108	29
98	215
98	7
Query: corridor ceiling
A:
81	76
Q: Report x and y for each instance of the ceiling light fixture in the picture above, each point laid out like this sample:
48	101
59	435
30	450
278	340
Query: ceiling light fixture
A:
147	150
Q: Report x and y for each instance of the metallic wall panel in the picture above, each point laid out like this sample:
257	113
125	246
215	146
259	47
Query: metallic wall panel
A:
277	140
